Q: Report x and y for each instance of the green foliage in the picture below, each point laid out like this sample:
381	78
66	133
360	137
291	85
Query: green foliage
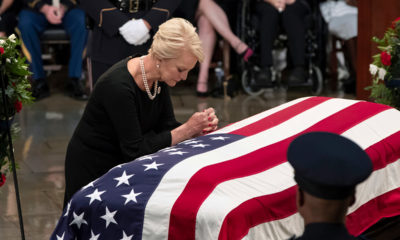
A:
14	72
390	43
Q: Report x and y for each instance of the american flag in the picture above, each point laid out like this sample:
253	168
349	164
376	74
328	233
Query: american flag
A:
236	183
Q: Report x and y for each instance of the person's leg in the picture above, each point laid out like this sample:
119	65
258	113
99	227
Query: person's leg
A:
208	38
269	21
219	21
74	24
31	25
350	52
2	27
293	22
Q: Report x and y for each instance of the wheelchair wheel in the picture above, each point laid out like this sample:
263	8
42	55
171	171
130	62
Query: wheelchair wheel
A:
317	81
247	78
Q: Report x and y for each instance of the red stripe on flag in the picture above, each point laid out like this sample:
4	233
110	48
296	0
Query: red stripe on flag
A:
280	116
237	223
385	151
385	205
184	211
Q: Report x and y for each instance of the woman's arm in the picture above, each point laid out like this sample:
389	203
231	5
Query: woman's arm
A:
118	100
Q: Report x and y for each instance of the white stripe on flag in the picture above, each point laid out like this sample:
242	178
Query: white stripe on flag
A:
380	182
156	220
287	226
379	126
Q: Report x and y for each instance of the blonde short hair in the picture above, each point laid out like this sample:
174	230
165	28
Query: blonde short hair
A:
173	36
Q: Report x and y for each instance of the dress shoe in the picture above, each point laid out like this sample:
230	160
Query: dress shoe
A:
263	79
77	90
297	76
40	89
349	85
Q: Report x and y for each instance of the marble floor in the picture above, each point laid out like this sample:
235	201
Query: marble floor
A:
46	127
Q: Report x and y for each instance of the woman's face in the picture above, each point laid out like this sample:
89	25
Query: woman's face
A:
174	70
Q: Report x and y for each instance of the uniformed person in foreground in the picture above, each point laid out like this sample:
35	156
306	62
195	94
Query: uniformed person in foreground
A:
327	168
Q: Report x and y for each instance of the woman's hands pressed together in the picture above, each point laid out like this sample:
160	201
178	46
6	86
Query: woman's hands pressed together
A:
199	123
212	121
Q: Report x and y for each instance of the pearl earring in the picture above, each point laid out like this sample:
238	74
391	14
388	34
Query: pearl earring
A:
158	65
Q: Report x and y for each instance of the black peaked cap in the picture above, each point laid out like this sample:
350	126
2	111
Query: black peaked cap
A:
328	165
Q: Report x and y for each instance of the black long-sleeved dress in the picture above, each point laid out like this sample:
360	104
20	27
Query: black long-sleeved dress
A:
119	124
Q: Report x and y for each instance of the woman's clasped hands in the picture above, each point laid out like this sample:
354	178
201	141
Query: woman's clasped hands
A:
201	123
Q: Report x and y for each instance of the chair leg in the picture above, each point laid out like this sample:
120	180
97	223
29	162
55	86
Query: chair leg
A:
334	64
90	76
226	52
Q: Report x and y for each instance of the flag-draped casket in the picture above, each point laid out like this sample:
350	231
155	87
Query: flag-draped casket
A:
236	182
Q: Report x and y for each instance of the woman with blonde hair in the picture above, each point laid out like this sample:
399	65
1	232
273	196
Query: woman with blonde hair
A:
130	113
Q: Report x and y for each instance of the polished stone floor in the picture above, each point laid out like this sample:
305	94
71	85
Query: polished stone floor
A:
46	127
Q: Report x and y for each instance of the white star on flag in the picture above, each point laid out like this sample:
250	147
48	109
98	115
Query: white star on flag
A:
60	238
219	138
176	153
191	142
131	196
148	157
88	185
125	237
68	207
153	165
95	196
170	149
200	145
123	179
94	237
109	217
78	220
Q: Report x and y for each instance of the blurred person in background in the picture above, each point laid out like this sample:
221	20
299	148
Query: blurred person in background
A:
34	19
121	28
291	13
211	18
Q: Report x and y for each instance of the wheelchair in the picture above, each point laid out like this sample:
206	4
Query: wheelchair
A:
247	25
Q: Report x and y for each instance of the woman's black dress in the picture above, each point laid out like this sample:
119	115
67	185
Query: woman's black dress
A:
119	124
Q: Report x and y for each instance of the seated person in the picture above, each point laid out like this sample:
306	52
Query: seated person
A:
8	16
292	14
130	114
327	168
36	16
341	17
211	18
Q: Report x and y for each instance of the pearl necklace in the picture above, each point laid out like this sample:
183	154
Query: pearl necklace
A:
157	90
